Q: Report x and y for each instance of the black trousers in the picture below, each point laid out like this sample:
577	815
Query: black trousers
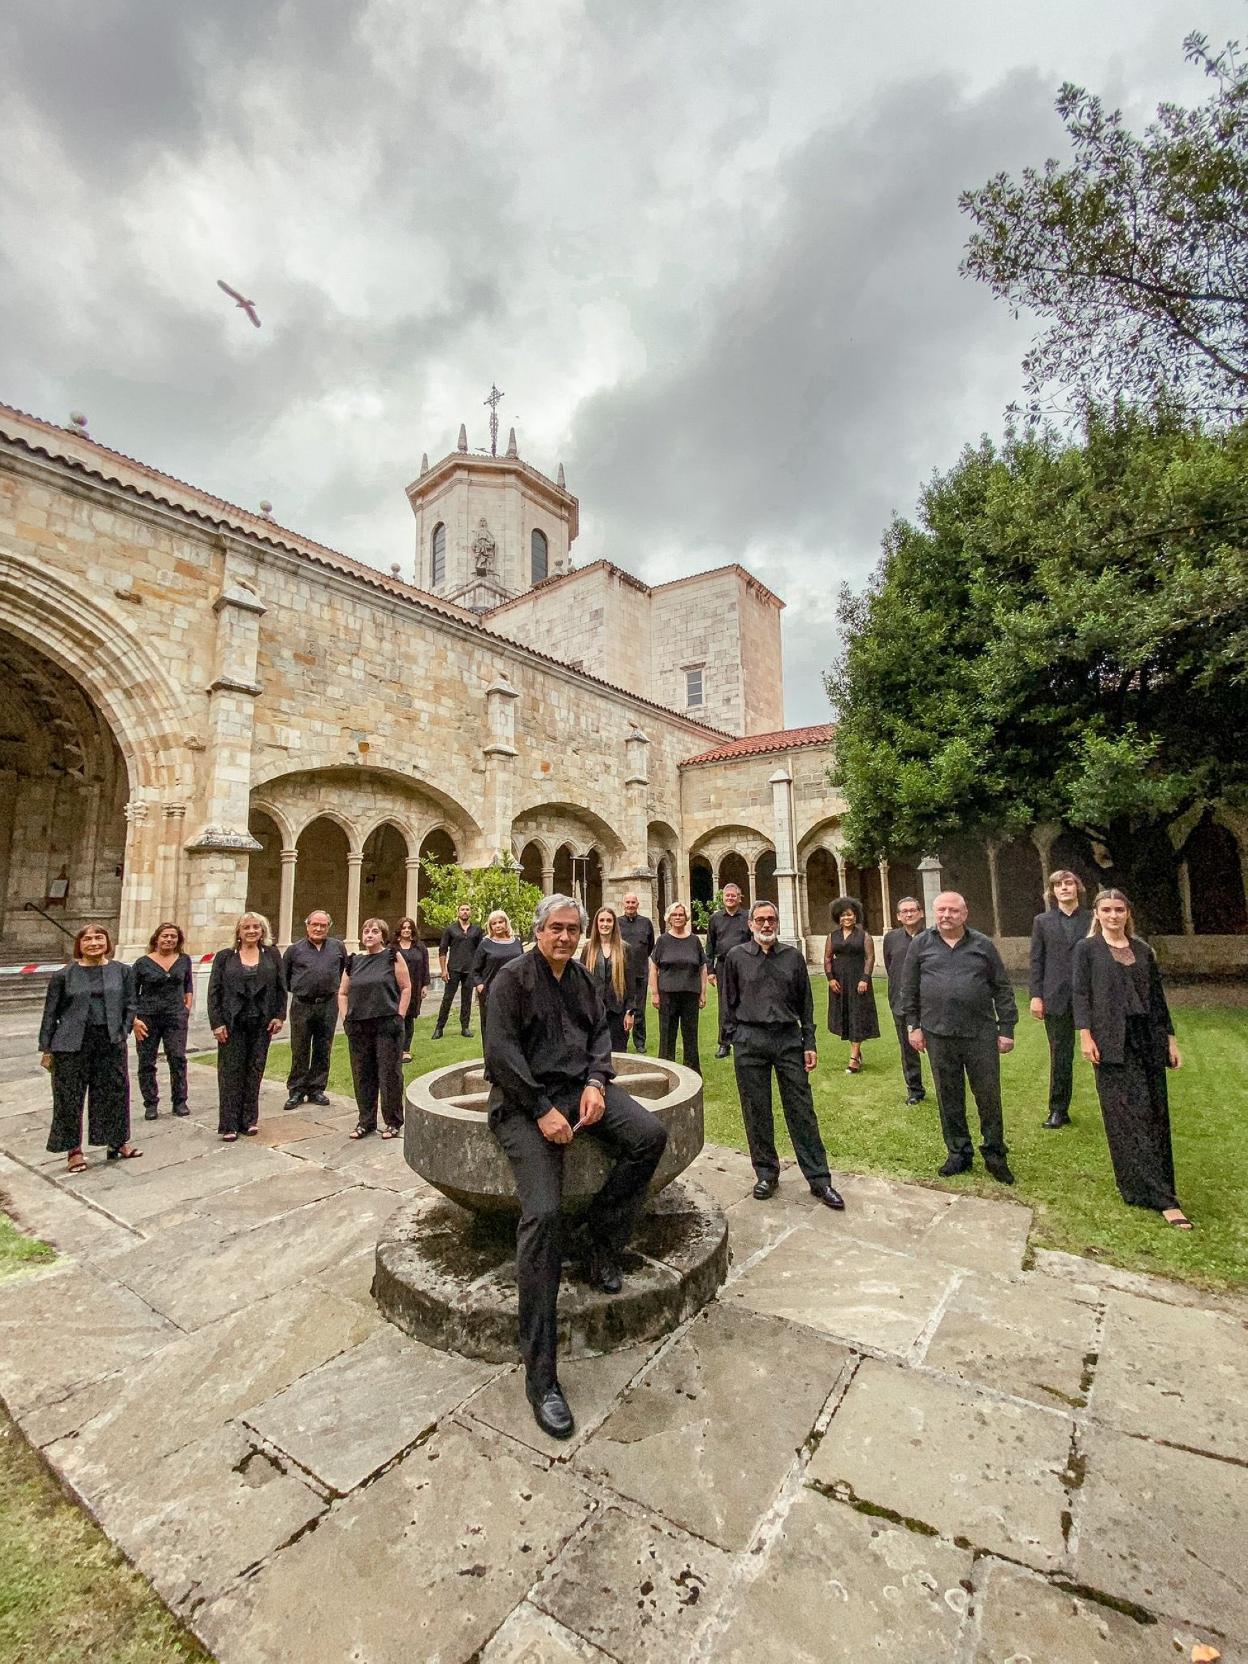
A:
409	1022
679	1011
312	1025
1061	1033
96	1076
911	1061
463	981
167	1028
240	1069
637	1138
1136	1110
758	1051
955	1059
642	998
376	1045
619	1035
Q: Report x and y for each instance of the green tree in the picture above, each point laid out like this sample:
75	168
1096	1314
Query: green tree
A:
1062	637
484	889
1136	254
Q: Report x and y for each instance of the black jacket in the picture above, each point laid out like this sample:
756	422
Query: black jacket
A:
68	1002
1098	1004
725	932
1051	950
226	995
617	1005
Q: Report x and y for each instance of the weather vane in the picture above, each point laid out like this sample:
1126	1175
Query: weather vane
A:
493	402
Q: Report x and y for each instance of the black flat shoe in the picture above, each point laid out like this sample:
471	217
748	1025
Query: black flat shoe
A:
830	1198
466	1033
916	1097
955	1165
181	1109
436	1035
151	1114
999	1167
293	1101
765	1189
551	1412
319	1099
602	1271
722	1051
1056	1119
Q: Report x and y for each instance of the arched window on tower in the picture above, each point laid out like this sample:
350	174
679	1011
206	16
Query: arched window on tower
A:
437	553
541	556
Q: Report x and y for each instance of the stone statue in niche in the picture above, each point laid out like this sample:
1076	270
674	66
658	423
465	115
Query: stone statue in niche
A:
483	548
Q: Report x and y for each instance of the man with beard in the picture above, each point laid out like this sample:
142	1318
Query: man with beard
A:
729	927
638	934
765	987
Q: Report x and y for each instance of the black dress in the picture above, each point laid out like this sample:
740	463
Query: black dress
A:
851	1015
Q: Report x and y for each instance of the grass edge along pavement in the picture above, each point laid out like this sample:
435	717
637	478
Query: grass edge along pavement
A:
66	1592
1065	1177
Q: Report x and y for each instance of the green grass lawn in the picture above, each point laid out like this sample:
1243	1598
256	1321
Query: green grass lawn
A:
1064	1176
17	1250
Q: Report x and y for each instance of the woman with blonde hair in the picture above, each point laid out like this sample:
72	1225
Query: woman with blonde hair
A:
495	948
246	1008
608	959
678	986
1126	1034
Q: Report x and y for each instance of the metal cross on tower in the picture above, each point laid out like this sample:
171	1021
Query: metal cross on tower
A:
493	402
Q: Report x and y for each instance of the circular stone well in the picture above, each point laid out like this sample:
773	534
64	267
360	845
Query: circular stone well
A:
445	1269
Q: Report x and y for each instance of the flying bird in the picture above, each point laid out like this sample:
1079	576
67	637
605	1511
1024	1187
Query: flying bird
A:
248	306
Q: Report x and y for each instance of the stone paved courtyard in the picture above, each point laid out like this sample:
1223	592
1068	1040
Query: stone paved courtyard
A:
895	1434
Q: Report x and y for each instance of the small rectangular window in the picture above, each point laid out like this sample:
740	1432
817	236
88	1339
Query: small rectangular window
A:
693	688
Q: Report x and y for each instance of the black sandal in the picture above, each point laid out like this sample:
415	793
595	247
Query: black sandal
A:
360	1132
126	1152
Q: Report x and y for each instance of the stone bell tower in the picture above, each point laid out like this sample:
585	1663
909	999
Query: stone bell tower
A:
489	527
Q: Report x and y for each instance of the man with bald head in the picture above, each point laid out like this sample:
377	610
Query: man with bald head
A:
960	1009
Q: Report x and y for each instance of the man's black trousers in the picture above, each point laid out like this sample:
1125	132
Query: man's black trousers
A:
955	1059
911	1062
641	999
312	1025
463	981
1061	1033
758	1050
636	1138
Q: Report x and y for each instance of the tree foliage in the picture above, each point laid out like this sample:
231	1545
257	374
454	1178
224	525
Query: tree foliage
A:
1062	638
484	889
1136	254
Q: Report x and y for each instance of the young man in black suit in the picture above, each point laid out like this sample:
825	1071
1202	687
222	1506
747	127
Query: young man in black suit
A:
1054	933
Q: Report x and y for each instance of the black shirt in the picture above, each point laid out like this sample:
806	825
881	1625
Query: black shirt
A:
97	1014
680	960
546	1037
314	973
416	958
157	989
725	932
374	989
896	947
459	946
638	934
490	957
962	990
771	988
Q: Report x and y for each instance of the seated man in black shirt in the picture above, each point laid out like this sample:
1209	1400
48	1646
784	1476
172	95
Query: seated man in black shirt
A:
548	1057
770	1013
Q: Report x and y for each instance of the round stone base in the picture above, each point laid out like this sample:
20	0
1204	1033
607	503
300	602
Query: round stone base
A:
448	1277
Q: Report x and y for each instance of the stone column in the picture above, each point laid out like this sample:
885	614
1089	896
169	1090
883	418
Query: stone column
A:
173	829
1185	898
500	756
138	885
886	900
751	880
994	887
8	813
781	784
803	897
355	861
548	881
634	871
412	892
286	905
842	872
930	873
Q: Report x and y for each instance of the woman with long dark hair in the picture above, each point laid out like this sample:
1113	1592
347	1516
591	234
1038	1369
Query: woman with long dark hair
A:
163	993
495	948
848	961
246	1008
372	1000
608	959
1126	1034
678	986
415	955
87	1016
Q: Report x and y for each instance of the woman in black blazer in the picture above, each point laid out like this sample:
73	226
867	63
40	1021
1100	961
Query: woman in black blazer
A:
246	1008
1126	1035
87	1017
608	959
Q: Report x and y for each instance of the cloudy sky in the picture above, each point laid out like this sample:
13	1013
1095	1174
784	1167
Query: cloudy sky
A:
709	251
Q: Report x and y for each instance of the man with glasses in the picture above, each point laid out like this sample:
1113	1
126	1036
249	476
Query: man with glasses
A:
765	987
548	1059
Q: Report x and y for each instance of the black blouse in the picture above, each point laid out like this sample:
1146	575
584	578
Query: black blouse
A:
373	990
680	960
157	989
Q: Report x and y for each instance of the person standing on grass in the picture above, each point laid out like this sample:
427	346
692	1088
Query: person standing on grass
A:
495	948
372	1001
163	994
729	927
765	991
456	952
312	969
415	956
609	960
1125	1032
638	934
246	1008
848	961
896	947
960	1009
1054	936
678	986
88	1013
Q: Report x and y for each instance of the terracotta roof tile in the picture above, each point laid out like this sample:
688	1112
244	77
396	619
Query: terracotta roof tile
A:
757	745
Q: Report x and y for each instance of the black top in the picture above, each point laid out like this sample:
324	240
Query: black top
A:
231	991
97	1014
158	990
546	1037
373	990
638	934
725	932
1053	938
962	990
1100	999
490	957
896	947
770	987
845	957
314	973
614	1004
680	960
460	947
73	992
416	958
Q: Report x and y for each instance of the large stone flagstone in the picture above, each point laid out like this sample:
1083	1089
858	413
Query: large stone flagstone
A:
531	1637
707	1437
135	1197
69	1225
979	1235
425	1564
970	1466
593	1386
259	1200
1021	1336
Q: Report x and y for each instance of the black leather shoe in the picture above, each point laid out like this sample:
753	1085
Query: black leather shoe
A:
765	1189
150	1113
830	1198
955	1165
181	1109
319	1099
1057	1119
436	1035
602	1270
915	1097
551	1412
999	1167
467	1033
293	1101
722	1051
